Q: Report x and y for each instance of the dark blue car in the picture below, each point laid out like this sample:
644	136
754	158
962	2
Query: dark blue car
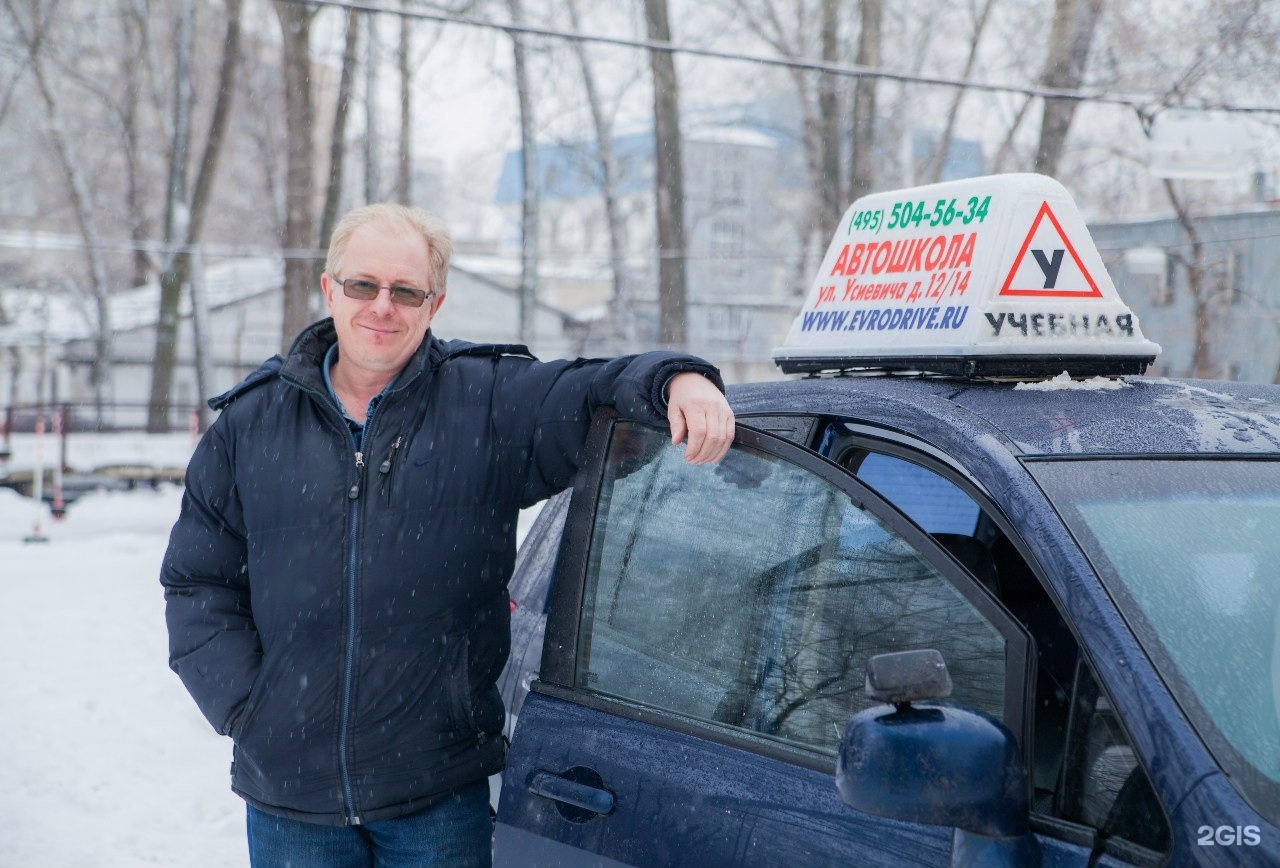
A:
929	618
1100	570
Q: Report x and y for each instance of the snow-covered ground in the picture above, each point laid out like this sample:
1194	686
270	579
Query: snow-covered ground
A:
109	764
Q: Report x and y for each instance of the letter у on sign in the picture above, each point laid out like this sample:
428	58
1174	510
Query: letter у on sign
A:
1026	290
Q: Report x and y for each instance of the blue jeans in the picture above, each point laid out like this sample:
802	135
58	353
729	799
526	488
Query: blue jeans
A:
454	831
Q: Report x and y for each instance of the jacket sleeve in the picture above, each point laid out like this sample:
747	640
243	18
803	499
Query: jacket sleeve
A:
545	408
213	643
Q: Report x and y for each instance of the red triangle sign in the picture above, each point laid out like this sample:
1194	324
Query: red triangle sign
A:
1054	269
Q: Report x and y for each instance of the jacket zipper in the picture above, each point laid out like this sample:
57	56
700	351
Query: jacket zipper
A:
348	671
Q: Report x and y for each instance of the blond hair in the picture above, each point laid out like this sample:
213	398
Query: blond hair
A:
392	216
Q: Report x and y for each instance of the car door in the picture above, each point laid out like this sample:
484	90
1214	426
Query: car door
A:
706	642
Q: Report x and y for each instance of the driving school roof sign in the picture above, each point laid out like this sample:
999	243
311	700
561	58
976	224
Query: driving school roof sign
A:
988	276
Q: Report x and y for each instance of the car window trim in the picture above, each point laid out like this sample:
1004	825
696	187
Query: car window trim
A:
1051	458
559	653
901	445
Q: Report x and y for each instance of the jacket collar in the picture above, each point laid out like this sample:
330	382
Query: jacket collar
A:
304	365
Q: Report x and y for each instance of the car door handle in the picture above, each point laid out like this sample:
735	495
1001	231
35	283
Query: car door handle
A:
558	789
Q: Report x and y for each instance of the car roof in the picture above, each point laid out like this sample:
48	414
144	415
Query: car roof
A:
1148	416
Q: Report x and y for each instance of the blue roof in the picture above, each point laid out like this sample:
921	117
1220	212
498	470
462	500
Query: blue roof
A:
572	170
568	171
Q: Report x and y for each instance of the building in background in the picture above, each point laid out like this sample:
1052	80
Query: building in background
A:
738	305
1149	261
748	247
46	339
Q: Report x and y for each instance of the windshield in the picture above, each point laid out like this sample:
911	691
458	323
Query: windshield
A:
1190	551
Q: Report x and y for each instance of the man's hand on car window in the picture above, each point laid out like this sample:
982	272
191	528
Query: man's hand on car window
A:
696	409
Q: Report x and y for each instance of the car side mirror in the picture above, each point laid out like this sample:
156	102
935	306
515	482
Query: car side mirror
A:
936	764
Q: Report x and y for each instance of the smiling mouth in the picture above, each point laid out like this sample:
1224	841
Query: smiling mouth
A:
377	330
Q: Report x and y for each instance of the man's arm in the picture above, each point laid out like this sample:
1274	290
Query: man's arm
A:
213	643
544	409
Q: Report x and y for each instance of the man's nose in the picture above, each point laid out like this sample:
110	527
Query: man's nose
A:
382	303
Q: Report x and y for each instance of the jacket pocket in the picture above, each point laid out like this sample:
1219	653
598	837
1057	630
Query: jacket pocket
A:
475	702
458	679
250	707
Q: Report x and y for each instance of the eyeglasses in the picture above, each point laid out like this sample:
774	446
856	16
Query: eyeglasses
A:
367	290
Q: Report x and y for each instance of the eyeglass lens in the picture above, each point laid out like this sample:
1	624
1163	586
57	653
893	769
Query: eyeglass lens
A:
367	290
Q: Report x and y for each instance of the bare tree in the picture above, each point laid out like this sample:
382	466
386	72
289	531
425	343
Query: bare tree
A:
829	116
1197	287
669	181
185	216
1070	37
530	200
621	304
338	138
862	179
176	218
404	163
299	227
939	161
134	25
32	33
372	132
786	26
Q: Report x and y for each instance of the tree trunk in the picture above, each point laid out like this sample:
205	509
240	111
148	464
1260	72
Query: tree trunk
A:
372	165
189	226
338	139
404	165
200	330
669	182
833	203
176	220
863	178
299	225
529	211
620	306
1201	354
1070	36
207	173
133	37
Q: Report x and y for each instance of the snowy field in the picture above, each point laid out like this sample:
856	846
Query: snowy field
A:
109	764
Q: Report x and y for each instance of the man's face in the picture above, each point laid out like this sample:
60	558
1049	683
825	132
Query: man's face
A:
377	338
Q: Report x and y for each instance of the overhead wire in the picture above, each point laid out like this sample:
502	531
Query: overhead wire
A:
1144	104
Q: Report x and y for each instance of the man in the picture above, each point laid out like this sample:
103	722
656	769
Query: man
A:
336	582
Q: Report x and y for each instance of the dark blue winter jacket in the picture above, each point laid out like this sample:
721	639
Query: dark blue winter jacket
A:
343	615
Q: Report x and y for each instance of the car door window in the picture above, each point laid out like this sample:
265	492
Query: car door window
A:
1084	769
753	594
934	503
